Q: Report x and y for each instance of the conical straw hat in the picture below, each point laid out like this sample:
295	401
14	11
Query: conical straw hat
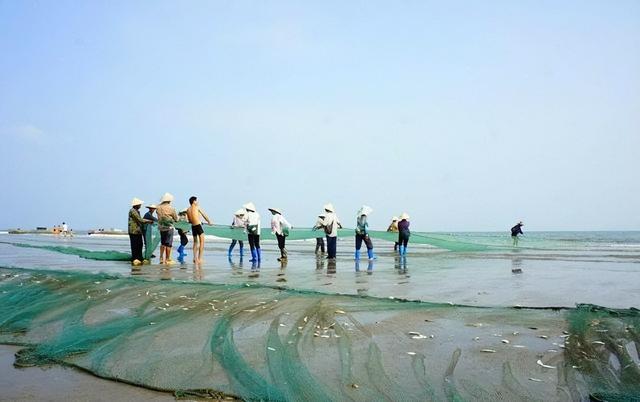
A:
404	216
395	218
276	210
152	206
239	212
249	207
167	197
329	207
136	201
365	210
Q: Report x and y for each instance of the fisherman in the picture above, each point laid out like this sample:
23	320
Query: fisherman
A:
135	232
252	225
238	222
147	228
393	228
362	233
515	231
193	214
319	240
403	233
166	218
280	227
65	229
331	224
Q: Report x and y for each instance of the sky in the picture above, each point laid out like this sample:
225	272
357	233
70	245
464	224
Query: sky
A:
467	115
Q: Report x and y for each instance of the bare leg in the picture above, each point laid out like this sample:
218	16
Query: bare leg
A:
162	253
195	248
168	254
201	238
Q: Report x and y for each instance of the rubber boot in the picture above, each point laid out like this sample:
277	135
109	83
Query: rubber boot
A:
259	254
357	255
370	254
254	255
181	254
400	250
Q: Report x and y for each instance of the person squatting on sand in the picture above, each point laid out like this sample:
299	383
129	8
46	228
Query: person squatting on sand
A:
403	233
515	231
238	222
362	232
252	225
280	227
320	239
193	214
166	218
331	224
135	231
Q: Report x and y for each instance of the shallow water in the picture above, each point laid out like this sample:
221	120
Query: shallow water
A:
548	269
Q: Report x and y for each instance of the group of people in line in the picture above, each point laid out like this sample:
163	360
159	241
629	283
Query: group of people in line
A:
248	219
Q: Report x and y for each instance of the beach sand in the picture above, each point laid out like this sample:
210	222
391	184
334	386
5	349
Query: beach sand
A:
57	383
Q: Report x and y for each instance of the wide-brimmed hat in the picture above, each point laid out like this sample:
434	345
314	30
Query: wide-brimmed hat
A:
404	216
249	207
136	201
276	210
239	212
395	218
322	215
365	210
152	206
329	207
167	197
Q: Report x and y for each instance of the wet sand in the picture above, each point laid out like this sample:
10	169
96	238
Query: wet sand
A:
57	383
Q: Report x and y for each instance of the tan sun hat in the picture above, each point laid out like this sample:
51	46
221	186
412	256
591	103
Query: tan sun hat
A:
239	212
329	207
276	210
404	216
395	218
136	201
167	197
249	207
152	206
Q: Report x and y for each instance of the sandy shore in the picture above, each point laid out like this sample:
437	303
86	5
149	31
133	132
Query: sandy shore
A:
63	384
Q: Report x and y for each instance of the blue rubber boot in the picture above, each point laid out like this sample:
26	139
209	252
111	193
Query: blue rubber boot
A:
181	254
254	255
401	250
404	250
259	252
357	255
370	254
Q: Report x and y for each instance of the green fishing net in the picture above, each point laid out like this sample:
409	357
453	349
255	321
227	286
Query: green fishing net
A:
267	343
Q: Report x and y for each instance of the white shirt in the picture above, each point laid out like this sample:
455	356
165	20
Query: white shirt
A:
331	220
252	218
277	222
65	228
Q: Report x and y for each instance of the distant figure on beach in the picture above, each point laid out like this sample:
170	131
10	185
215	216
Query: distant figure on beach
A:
362	233
252	225
515	231
280	227
167	216
393	227
184	240
319	240
238	222
331	224
403	233
193	213
148	227
135	231
65	229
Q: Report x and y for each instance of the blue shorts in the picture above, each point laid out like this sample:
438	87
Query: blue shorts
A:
166	238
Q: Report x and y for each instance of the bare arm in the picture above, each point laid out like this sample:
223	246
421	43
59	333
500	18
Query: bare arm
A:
204	215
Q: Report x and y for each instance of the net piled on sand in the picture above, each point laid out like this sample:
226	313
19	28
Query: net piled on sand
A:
266	343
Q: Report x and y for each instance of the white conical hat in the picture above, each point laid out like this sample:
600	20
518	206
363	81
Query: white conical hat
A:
276	210
167	197
329	207
365	210
152	206
249	207
136	201
395	218
404	216
239	212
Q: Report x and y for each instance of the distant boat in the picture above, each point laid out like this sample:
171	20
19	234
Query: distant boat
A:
111	231
38	230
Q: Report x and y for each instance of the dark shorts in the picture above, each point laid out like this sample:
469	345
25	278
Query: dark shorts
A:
166	238
196	230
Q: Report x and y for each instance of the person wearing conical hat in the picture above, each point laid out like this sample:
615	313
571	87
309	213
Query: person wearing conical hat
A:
393	227
331	224
515	231
362	233
238	222
252	225
403	233
280	227
167	216
319	239
135	231
147	228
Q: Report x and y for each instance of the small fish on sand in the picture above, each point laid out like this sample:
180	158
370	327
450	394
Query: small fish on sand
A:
540	363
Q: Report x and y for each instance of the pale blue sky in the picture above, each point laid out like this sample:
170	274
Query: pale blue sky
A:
468	115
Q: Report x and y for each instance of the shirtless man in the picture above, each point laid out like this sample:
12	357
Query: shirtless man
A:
193	214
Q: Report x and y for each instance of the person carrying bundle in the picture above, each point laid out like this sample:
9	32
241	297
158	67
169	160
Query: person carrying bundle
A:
362	233
331	224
